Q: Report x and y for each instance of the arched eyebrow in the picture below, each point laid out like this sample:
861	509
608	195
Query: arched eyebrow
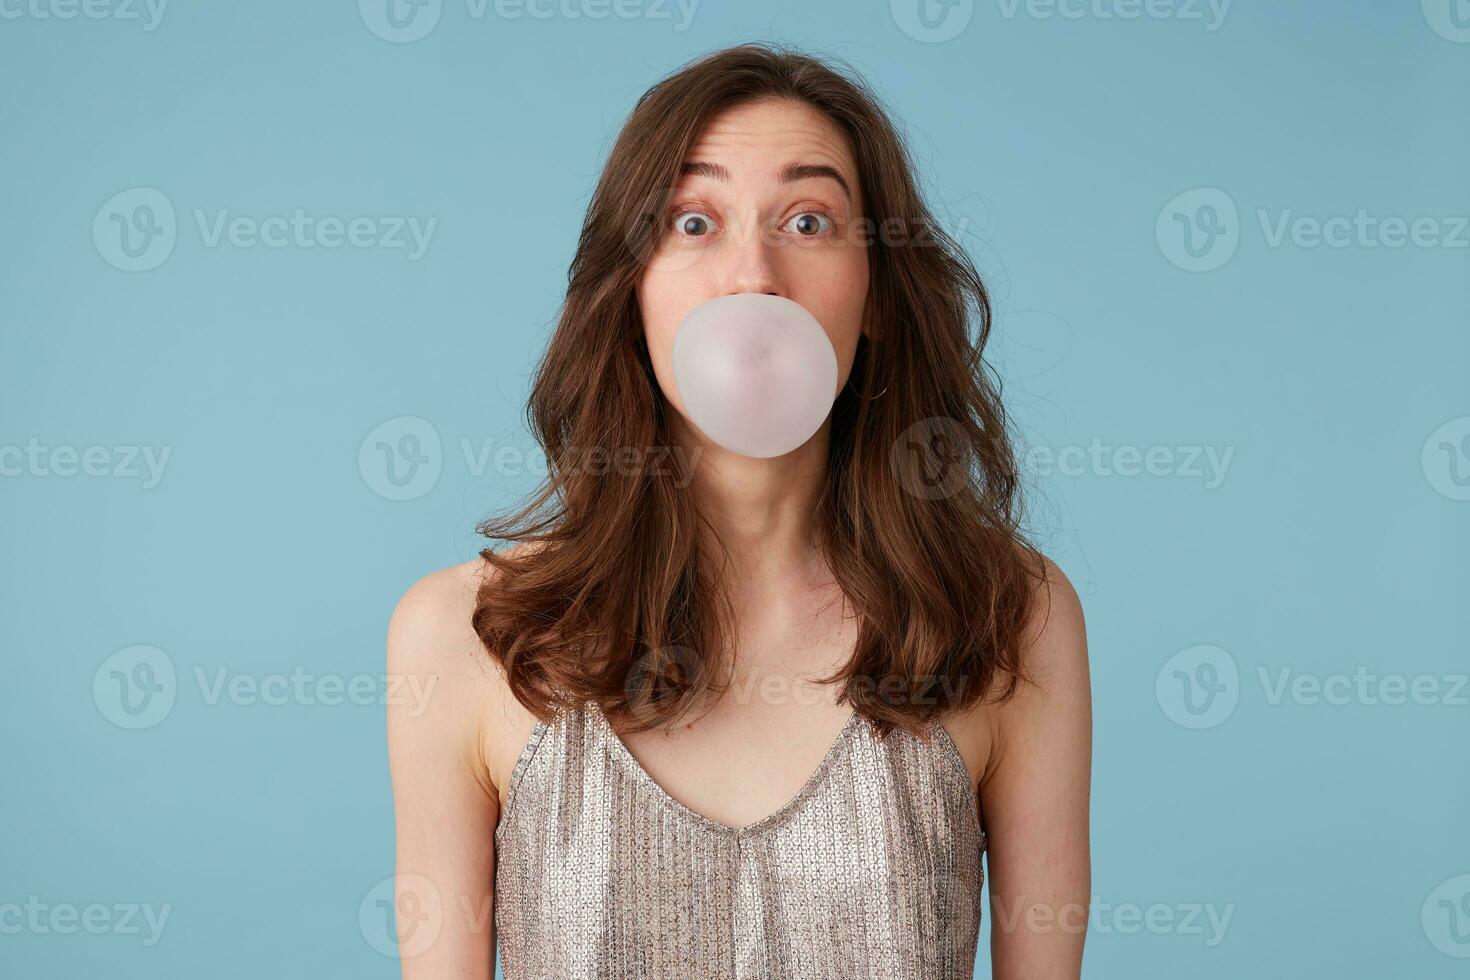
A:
789	174
801	171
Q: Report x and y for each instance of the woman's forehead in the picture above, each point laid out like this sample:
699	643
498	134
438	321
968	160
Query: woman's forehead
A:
769	135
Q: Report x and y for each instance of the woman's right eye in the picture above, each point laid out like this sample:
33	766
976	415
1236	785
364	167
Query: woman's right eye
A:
693	224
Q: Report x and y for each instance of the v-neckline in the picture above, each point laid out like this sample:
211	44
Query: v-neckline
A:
813	782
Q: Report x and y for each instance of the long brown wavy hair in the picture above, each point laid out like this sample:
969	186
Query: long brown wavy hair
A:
614	599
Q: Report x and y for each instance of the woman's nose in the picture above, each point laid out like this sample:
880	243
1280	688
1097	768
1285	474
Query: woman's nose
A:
754	262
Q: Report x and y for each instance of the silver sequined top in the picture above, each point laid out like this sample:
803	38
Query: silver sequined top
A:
872	870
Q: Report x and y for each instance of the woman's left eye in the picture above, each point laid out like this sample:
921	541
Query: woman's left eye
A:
810	224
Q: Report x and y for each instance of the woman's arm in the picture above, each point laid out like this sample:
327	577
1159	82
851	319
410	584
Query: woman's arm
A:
1035	799
445	804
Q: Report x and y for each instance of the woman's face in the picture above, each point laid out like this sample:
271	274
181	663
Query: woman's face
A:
768	203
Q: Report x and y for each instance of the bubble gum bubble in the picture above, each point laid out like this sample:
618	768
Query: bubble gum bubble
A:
756	373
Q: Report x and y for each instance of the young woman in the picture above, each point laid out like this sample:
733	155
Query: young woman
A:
716	716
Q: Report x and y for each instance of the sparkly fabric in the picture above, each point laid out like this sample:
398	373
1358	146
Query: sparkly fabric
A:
873	870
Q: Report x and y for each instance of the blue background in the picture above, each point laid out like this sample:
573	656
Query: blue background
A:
1335	540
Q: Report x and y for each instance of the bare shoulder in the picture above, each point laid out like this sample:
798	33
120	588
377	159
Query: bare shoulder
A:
432	644
1054	654
1055	644
1053	706
431	622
